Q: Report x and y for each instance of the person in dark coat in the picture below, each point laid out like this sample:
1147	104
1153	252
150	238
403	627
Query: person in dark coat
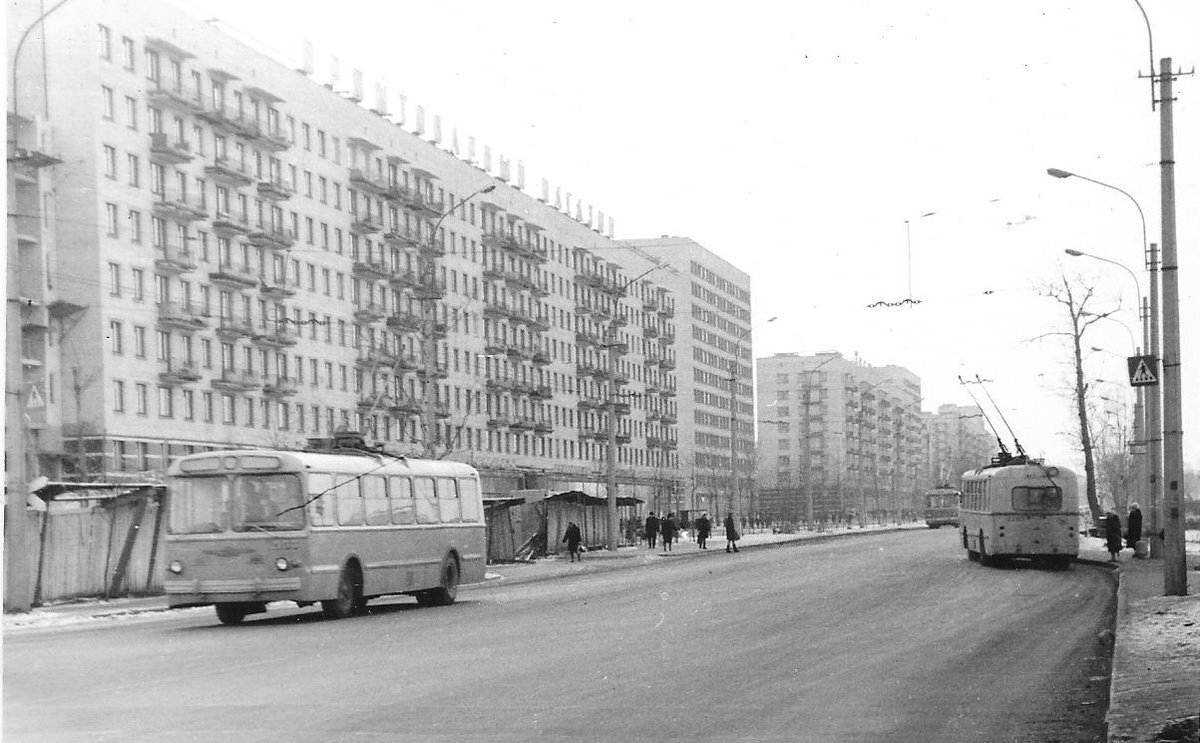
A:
572	538
668	528
651	530
731	533
703	528
1133	527
1112	535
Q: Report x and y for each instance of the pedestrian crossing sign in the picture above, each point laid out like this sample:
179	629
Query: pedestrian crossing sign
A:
1142	371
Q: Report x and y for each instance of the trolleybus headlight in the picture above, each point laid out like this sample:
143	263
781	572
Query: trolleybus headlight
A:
175	567
281	563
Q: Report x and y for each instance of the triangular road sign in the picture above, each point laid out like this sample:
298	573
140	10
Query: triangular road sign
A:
34	400
1141	371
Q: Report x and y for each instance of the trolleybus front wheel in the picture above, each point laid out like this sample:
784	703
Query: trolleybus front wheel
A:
349	597
447	591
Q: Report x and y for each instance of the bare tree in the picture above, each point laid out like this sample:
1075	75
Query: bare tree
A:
1074	295
1114	461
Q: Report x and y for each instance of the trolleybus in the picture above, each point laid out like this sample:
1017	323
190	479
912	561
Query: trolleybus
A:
1020	507
941	507
245	528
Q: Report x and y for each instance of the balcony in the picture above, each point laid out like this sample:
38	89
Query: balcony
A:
404	280
666	363
497	386
224	172
590	370
178	372
271	238
600	281
271	139
377	358
174	260
366	225
655	442
274	190
178	210
401	238
369	312
651	304
175	100
543	427
432	248
521	423
433	371
666	311
232	277
588	339
166	152
371	403
233	328
651	332
361	180
218	118
277	338
280	387
405	405
405	321
541	392
236	381
667	392
371	270
180	316
667	338
540	358
430	289
619	408
670	419
502	242
499	421
226	225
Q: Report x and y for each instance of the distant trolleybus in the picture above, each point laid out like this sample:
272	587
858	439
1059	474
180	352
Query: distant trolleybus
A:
941	507
248	527
1019	507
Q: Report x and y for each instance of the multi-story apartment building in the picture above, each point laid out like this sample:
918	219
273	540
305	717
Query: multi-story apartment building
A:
232	254
714	355
958	441
849	433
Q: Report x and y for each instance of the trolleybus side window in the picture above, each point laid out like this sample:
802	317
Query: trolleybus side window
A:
402	500
349	502
467	488
448	501
426	497
1045	498
320	510
375	500
199	505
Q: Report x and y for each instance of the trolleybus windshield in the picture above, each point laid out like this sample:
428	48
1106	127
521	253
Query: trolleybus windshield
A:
210	505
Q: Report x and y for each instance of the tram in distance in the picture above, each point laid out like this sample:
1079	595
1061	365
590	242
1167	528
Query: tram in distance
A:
1020	507
248	527
941	507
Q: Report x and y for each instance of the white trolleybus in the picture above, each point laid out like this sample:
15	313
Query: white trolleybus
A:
1020	507
245	528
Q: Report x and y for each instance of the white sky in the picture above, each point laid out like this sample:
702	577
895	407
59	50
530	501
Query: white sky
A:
795	138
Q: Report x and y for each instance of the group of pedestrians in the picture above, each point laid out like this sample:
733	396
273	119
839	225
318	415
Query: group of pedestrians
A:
668	528
1112	531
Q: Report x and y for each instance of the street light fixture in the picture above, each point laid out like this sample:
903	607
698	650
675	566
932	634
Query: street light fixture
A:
427	271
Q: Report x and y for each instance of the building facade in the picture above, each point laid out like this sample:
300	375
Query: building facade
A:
714	355
958	441
848	435
232	254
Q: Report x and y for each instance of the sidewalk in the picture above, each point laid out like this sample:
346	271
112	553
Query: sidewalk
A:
1156	655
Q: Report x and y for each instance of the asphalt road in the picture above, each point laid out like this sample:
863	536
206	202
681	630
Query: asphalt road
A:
890	637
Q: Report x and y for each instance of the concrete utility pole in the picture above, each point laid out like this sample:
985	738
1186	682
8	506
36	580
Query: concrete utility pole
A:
429	296
610	408
1154	412
1174	557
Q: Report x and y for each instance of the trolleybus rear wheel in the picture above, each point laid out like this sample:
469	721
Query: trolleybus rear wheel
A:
231	613
447	592
349	598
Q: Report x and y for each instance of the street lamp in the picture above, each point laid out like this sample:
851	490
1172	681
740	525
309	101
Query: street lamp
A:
610	405
1136	284
1153	398
808	489
427	271
734	368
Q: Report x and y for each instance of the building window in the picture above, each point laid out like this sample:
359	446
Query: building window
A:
110	161
105	42
153	68
114	280
135	170
118	396
189	404
139	288
207	401
166	403
139	341
127	53
135	226
140	394
131	113
228	410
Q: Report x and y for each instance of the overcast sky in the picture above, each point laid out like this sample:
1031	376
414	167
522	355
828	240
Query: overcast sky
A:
796	138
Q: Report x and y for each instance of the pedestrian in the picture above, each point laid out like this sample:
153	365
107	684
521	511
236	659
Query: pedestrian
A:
703	527
731	533
1112	535
1133	528
668	528
651	530
572	537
